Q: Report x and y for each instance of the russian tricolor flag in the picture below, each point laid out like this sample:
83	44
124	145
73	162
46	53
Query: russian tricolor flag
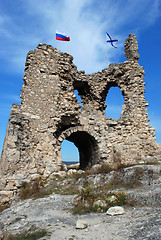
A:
62	37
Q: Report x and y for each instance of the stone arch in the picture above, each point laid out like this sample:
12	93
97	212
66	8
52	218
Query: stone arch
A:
86	143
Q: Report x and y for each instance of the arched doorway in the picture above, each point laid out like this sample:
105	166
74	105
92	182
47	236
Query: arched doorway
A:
69	152
87	147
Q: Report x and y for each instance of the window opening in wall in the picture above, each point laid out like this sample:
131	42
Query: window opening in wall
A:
69	153
114	101
78	98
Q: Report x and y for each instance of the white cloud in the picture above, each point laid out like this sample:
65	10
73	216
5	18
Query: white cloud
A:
86	21
4	31
155	12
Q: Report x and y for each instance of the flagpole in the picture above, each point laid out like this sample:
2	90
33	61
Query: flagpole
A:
107	55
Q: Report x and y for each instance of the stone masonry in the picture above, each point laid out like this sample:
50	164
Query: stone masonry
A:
49	113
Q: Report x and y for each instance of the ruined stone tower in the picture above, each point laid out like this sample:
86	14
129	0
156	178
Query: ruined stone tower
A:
49	113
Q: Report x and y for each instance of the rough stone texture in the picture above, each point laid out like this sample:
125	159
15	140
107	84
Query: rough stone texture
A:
49	113
131	48
117	210
52	213
81	224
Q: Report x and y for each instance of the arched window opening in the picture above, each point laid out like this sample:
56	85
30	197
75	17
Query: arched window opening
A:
78	98
87	147
114	101
69	153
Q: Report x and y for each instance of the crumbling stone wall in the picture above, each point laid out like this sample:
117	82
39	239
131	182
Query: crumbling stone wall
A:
49	113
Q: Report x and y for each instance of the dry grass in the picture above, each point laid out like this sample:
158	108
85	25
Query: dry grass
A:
37	188
4	206
89	195
34	189
104	168
25	236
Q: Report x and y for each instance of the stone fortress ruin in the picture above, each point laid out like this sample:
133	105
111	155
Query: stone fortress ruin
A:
49	113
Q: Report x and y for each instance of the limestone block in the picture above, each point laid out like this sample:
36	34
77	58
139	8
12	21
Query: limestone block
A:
2	183
5	196
10	186
117	210
71	172
58	174
33	170
34	176
18	181
40	171
96	167
81	224
4	199
6	193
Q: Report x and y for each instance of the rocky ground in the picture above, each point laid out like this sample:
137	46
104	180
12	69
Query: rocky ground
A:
53	213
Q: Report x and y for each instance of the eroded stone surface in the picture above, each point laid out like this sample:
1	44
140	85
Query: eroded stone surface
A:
81	224
52	213
117	210
49	113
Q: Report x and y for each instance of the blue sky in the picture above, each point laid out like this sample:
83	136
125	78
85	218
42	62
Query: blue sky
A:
24	24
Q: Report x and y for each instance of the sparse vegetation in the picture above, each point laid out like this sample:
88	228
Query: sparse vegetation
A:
34	189
83	174
4	206
93	198
133	182
104	168
37	188
63	190
66	185
154	162
26	236
90	197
